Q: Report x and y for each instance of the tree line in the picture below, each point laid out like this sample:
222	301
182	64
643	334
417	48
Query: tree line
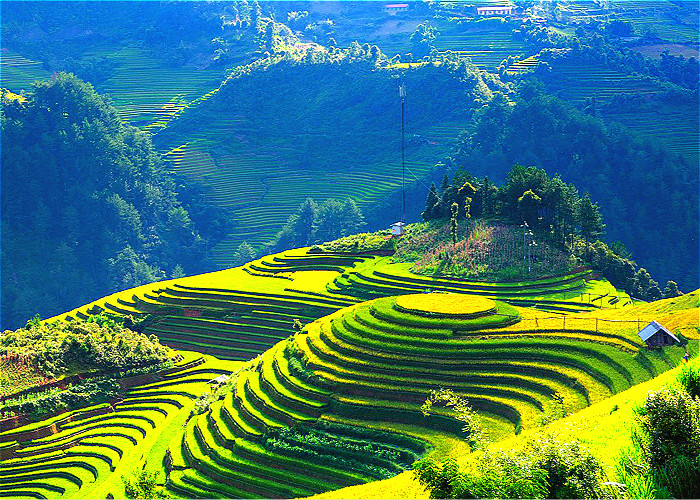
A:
317	223
87	205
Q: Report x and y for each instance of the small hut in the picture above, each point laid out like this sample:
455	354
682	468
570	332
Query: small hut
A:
655	334
398	229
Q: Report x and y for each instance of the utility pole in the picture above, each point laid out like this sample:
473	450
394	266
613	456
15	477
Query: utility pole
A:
402	94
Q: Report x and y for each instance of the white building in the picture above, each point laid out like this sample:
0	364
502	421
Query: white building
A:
398	229
394	8
502	10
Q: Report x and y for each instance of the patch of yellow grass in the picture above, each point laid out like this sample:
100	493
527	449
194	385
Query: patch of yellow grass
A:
11	96
448	304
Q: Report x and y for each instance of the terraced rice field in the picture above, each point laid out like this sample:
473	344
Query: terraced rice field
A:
676	125
227	314
522	65
338	403
262	191
579	81
486	47
18	73
82	454
239	313
145	92
574	293
375	363
665	24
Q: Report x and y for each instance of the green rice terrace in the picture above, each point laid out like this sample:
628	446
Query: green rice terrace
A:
338	403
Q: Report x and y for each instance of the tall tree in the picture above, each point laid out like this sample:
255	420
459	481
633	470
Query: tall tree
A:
590	221
430	203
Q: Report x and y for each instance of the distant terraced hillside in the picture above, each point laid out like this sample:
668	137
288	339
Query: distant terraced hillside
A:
281	130
317	400
674	123
18	73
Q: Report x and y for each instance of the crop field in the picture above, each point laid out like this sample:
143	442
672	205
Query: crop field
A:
572	293
234	314
665	20
238	313
299	417
18	73
145	92
485	43
83	453
675	124
579	81
374	363
262	191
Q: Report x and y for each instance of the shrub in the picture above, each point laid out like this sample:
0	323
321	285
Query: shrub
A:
82	346
143	484
76	396
544	469
680	477
572	472
689	378
670	422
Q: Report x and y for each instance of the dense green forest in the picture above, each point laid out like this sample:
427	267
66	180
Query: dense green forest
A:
87	207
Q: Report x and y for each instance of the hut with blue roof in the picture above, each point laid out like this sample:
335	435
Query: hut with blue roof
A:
655	334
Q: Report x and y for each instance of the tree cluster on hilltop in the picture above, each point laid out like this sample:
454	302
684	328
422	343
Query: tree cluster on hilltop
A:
554	211
87	206
317	223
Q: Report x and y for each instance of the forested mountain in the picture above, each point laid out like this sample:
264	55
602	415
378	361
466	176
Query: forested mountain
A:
86	204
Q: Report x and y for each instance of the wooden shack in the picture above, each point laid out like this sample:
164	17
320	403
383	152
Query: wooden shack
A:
655	334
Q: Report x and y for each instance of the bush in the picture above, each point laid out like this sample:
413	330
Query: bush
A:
143	484
544	469
689	378
572	472
680	477
670	422
76	396
82	346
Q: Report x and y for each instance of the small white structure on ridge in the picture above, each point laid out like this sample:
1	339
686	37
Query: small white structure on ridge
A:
398	229
502	10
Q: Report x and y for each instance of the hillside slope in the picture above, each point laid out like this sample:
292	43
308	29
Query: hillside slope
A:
284	129
357	377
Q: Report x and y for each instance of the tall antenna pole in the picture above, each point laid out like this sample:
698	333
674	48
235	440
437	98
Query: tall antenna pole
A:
402	94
